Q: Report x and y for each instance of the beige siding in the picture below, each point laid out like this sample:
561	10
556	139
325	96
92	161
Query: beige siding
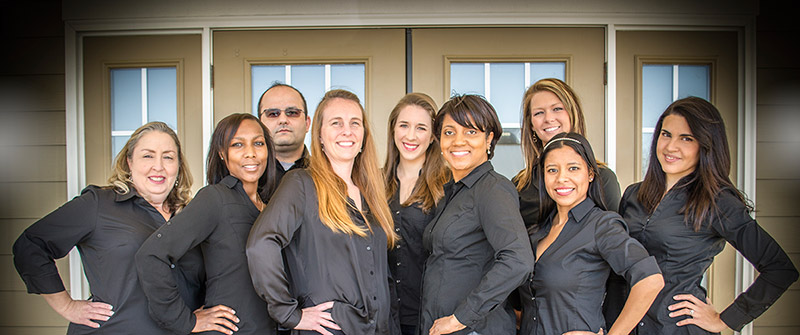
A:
778	152
32	147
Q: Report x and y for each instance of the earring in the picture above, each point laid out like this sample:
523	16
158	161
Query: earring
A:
489	150
535	139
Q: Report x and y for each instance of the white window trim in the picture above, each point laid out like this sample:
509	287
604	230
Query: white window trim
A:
746	171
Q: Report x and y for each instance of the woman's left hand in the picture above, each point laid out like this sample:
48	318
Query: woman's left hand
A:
446	325
581	332
701	314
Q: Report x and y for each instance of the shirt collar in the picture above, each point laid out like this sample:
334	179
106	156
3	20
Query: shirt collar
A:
230	181
127	196
579	212
476	174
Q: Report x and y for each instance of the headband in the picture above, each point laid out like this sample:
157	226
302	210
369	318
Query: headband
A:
560	139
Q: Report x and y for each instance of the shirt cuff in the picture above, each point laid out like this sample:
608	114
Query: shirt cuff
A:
734	317
466	316
44	284
642	269
293	319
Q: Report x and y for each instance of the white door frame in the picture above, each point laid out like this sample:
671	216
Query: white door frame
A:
75	31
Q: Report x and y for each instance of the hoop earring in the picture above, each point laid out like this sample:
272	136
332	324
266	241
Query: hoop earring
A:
535	139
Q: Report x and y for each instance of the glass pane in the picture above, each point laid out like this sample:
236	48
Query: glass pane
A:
310	80
467	78
261	78
543	70
656	92
126	99
647	140
349	77
117	142
162	96
508	160
693	81
507	83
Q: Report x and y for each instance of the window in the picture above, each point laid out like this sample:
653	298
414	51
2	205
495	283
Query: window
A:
661	85
139	96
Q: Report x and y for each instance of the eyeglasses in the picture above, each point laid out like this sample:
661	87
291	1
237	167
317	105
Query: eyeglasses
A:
291	112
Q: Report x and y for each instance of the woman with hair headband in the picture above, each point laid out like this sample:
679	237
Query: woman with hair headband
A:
317	253
150	182
479	252
683	213
576	247
415	173
241	179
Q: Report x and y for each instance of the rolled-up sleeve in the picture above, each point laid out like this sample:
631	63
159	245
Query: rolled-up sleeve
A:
776	271
498	210
164	248
272	231
626	256
51	238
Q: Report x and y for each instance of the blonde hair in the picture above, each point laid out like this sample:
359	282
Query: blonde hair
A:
120	179
332	190
428	189
531	144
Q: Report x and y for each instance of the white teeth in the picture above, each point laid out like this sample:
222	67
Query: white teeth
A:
564	191
156	178
347	144
459	153
411	146
551	129
250	167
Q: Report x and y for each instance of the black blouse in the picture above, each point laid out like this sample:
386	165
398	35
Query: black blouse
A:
107	228
529	196
321	265
567	288
407	259
684	255
218	219
479	253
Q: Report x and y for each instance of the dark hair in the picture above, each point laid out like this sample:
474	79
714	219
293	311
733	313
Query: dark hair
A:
463	107
583	149
433	175
710	176
218	148
277	84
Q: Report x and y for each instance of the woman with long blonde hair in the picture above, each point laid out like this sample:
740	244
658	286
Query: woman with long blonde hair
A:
415	176
330	225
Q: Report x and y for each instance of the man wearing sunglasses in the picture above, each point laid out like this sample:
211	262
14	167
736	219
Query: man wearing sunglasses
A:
282	108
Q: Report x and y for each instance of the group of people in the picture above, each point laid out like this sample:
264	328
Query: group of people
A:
323	241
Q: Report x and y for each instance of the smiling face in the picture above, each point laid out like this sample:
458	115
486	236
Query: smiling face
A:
566	177
548	116
463	148
247	153
413	132
154	166
677	149
342	131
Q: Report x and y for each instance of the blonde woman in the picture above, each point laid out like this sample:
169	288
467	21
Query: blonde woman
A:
415	176
332	223
149	184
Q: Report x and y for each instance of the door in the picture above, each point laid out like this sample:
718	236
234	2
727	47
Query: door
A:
131	80
500	64
681	64
369	62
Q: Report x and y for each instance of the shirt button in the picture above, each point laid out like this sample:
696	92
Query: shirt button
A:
397	230
398	212
374	298
398	281
534	318
399	245
533	298
369	248
398	263
172	266
371	273
371	321
641	324
169	223
158	235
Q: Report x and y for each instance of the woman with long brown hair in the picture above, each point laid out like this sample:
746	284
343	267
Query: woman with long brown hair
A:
241	179
317	253
150	182
415	175
683	213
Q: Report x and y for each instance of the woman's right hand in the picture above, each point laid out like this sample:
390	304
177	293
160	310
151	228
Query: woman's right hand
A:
316	318
80	312
217	318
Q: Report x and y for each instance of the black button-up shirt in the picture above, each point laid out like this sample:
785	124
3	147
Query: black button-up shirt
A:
300	163
407	259
529	196
108	229
684	255
479	253
350	270
568	284
218	219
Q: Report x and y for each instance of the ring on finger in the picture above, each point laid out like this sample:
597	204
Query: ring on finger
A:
691	312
